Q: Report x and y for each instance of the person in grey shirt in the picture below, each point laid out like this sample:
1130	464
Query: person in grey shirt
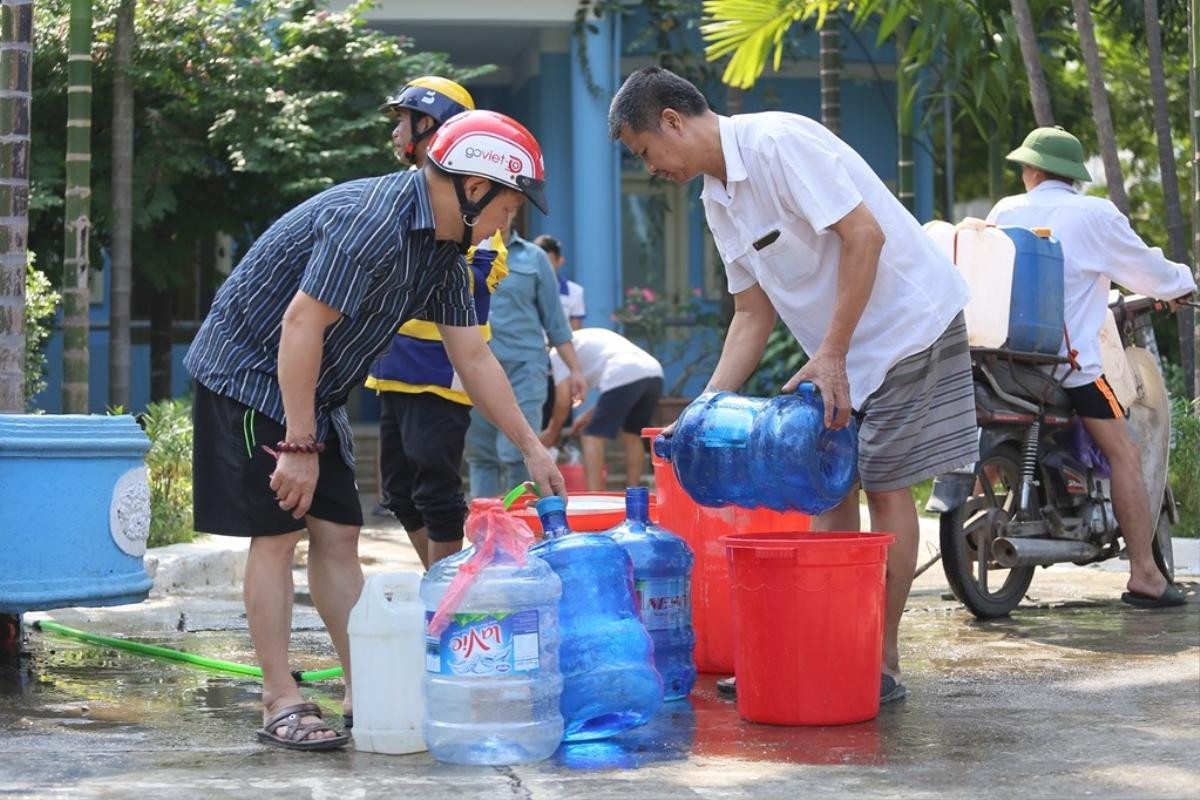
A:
526	312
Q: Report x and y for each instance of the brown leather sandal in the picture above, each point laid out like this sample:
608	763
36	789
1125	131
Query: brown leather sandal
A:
295	735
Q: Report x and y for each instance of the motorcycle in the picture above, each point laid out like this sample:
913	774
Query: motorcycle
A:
1034	498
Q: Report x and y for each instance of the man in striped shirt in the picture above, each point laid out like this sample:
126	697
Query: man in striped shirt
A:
295	328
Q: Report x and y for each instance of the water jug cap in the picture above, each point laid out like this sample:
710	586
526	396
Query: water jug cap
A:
548	505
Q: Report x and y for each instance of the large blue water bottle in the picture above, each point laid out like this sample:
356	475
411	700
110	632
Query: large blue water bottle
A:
1035	317
605	653
662	577
492	682
759	452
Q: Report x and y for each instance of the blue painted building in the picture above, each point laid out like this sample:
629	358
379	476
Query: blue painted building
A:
619	229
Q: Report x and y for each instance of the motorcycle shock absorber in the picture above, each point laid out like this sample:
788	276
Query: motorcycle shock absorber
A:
1029	464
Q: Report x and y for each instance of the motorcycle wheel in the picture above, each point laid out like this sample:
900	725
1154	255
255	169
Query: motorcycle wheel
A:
971	578
1164	551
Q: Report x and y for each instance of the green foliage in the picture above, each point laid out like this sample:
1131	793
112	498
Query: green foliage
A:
242	110
168	423
782	359
41	301
683	330
1185	465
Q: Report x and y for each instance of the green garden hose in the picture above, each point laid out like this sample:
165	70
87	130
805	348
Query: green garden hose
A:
179	655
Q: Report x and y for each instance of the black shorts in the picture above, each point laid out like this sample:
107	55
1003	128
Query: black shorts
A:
627	408
421	438
231	473
1096	400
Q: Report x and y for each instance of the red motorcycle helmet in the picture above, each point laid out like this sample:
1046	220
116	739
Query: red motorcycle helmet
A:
493	146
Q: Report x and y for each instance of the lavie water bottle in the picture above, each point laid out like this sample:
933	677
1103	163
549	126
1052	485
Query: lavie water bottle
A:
606	655
662	578
492	683
760	452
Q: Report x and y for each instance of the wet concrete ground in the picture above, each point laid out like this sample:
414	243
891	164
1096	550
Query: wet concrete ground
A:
1075	696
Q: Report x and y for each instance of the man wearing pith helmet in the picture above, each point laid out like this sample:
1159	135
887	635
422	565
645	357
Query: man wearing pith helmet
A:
1099	247
293	331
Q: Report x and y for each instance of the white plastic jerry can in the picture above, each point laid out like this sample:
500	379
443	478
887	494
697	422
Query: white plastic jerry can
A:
387	659
985	256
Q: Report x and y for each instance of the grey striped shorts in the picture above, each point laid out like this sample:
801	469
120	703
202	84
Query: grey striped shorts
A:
921	421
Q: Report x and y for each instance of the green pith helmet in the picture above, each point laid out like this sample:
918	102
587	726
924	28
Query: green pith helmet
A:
1053	150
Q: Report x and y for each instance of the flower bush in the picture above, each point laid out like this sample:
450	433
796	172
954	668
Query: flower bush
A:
684	330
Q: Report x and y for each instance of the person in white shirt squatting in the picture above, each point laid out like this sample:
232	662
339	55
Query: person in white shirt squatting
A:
1099	247
810	234
630	382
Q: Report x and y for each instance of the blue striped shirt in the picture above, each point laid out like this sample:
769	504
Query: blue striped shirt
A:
365	248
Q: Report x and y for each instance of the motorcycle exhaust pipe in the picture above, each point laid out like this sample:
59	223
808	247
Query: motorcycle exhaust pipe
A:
1019	552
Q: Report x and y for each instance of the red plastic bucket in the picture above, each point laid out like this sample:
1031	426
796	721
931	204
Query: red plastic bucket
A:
587	512
808	625
575	477
702	528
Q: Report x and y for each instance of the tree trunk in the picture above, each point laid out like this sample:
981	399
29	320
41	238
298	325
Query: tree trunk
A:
1176	226
1194	75
995	156
122	208
948	148
162	324
16	62
831	77
1100	110
1039	94
78	200
905	169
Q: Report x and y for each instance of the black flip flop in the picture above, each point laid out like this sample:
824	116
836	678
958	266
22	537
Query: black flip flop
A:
727	687
1170	598
295	735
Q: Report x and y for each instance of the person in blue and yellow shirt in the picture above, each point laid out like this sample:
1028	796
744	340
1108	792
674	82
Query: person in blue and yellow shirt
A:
425	416
425	413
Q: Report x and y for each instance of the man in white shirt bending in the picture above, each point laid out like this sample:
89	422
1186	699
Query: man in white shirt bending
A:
630	382
810	234
1098	247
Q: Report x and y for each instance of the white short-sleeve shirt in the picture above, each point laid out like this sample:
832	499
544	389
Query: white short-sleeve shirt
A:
787	180
1099	247
572	300
607	359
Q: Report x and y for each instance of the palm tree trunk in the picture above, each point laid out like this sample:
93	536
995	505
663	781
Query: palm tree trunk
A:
78	200
831	77
1039	94
122	208
1176	226
905	169
16	62
1100	110
1194	75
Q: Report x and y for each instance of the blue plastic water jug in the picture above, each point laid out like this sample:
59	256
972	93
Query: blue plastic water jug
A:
1035	317
605	653
492	682
662	578
762	452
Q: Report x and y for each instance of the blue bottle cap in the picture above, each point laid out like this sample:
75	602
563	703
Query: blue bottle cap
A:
548	505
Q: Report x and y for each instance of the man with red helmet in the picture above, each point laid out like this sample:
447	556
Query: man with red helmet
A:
295	328
424	410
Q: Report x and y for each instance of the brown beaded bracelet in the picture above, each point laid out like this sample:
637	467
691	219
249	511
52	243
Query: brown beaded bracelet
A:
311	446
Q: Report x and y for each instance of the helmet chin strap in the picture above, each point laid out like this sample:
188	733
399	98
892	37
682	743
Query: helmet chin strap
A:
471	210
415	137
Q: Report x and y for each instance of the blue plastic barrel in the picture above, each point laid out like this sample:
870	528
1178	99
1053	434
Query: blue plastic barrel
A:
74	511
1035	318
758	452
606	655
